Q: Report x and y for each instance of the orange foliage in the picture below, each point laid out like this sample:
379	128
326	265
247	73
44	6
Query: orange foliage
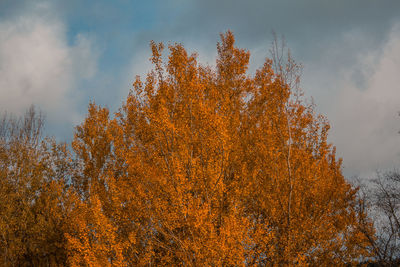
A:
33	193
201	166
206	166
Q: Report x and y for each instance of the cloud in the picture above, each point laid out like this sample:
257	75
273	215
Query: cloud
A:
39	66
364	108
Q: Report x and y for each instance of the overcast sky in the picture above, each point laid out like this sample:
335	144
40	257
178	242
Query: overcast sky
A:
59	55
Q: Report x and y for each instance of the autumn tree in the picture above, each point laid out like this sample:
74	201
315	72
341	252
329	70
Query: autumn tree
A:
33	174
92	237
212	166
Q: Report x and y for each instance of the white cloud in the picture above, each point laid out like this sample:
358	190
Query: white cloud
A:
364	115
38	66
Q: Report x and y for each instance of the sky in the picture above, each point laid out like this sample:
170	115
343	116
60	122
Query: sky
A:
59	55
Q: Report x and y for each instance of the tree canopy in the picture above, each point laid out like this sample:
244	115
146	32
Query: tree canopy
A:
202	165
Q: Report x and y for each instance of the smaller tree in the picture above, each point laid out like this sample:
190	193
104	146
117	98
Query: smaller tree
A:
33	170
380	199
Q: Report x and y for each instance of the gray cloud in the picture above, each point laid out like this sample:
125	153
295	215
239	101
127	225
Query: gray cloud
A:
362	100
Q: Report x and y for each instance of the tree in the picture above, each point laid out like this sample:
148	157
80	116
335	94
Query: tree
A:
33	173
213	166
380	199
92	236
